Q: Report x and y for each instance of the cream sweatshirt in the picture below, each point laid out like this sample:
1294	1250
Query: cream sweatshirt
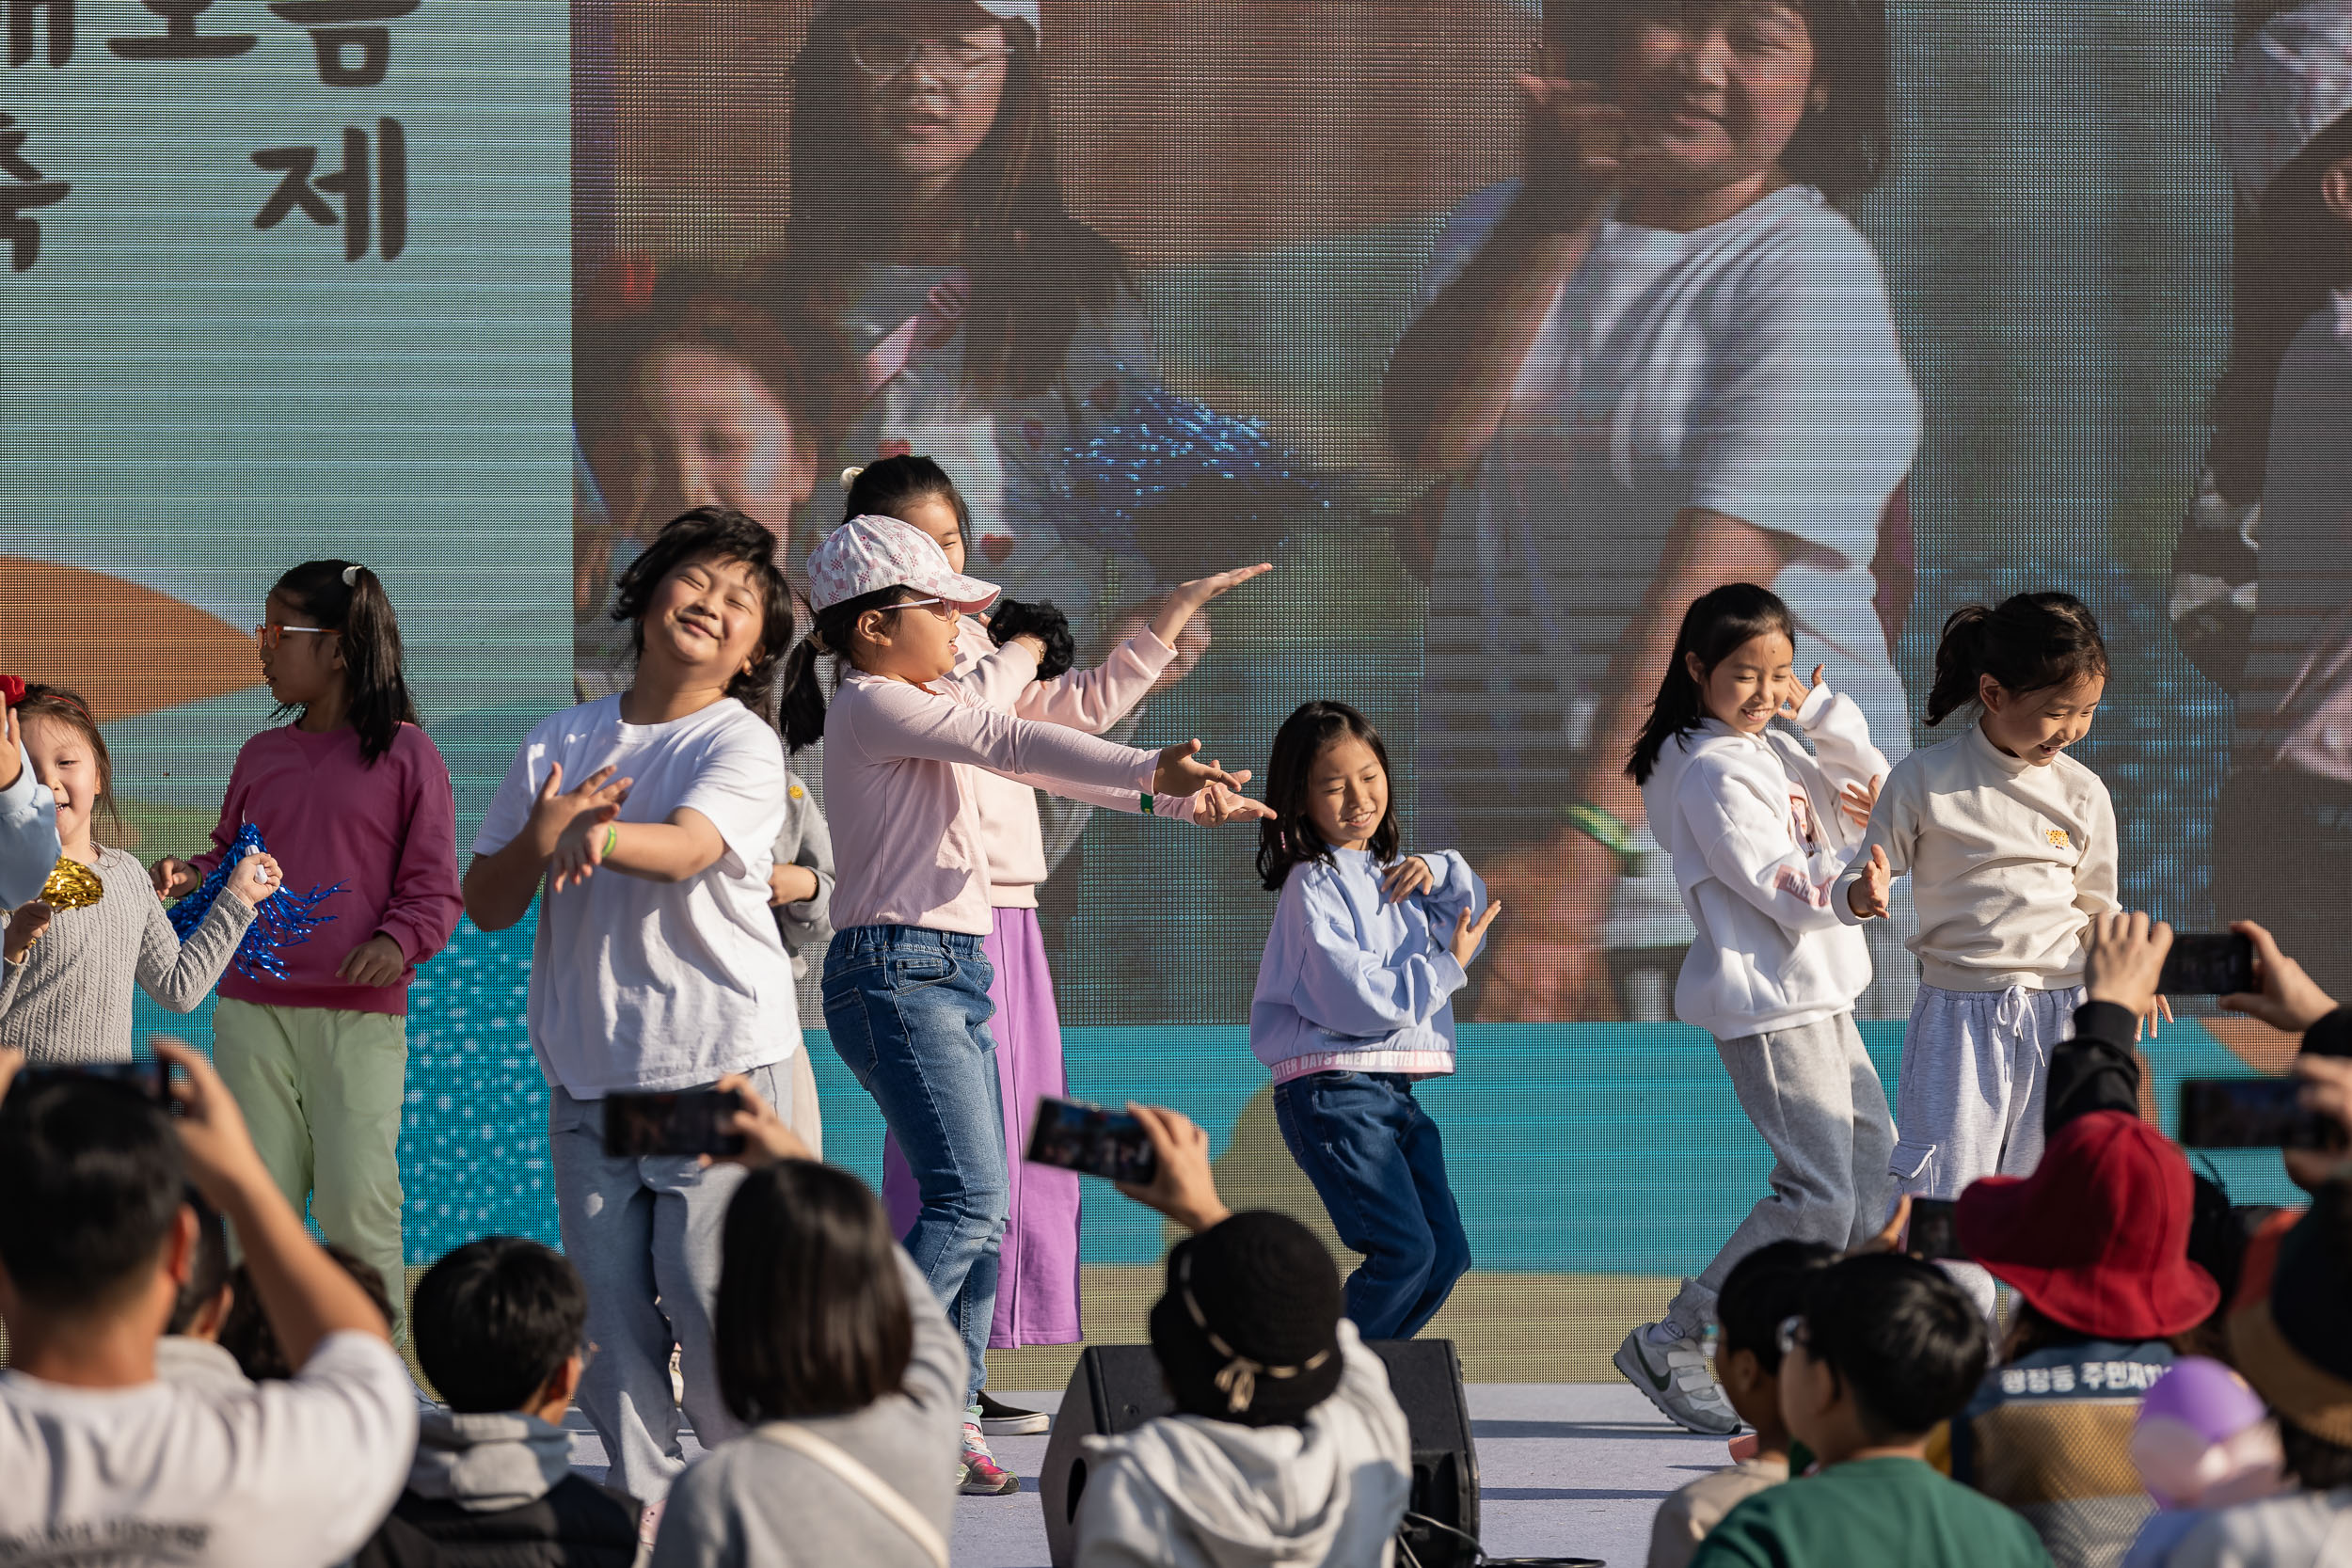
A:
2008	862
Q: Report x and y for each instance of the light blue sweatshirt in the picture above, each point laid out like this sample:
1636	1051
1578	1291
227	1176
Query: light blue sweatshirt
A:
1352	982
28	837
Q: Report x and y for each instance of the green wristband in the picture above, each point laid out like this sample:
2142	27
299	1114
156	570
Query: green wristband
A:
611	837
1606	828
1147	805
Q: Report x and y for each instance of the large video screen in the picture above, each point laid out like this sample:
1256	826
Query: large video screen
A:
1170	287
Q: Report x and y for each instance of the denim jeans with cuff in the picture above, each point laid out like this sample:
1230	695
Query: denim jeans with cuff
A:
908	1010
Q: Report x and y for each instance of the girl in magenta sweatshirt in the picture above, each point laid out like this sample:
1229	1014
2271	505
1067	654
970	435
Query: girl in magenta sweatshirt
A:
349	797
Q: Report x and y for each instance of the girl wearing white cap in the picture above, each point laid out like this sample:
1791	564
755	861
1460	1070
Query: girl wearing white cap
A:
906	978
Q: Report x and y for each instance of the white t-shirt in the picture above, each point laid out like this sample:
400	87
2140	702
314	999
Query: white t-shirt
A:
296	1473
645	986
1750	368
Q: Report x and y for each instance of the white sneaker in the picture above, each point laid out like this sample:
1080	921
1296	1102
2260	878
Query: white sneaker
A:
1674	1377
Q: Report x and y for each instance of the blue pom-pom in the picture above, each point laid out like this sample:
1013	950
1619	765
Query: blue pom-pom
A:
284	919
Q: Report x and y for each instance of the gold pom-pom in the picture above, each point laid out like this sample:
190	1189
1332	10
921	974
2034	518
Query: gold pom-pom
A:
71	886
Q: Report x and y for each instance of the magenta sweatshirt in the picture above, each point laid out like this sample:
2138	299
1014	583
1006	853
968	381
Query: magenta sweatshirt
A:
387	832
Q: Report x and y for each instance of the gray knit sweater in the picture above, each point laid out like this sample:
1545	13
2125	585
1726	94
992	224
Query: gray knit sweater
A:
69	999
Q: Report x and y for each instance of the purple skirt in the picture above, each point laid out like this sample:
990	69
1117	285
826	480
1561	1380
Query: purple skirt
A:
1037	1281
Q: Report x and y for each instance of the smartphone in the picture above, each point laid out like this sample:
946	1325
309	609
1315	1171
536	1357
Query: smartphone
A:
150	1079
686	1121
1070	1135
2252	1113
1933	1232
2216	963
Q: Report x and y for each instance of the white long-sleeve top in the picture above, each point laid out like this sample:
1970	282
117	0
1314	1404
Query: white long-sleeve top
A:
899	771
28	836
2009	862
1758	841
1091	701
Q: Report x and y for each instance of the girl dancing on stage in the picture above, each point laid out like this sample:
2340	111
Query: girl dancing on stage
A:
1759	832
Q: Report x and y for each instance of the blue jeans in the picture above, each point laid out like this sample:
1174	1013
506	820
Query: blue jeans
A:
1378	1164
908	1010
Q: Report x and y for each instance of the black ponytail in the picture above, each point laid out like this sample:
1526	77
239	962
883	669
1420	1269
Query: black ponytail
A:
1716	626
346	597
2028	643
801	711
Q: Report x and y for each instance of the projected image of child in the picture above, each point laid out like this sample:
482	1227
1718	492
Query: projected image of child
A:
1660	362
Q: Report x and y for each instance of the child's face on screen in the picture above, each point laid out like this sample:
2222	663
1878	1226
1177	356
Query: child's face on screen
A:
2038	726
1748	685
717	435
929	78
705	622
1347	793
1712	92
67	765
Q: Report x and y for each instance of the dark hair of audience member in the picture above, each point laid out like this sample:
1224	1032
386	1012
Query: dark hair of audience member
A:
1764	1290
90	1186
246	1334
494	1319
812	1317
1907	1345
718	534
208	1272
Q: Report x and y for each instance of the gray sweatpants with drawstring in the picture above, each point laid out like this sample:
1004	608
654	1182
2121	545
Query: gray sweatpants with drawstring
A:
1975	1071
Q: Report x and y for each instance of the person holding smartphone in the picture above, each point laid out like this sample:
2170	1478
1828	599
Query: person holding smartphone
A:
1660	361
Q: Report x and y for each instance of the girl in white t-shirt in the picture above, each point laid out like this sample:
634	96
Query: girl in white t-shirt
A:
650	817
907	979
1661	362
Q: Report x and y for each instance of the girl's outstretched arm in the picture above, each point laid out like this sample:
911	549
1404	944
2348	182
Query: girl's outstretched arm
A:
897	719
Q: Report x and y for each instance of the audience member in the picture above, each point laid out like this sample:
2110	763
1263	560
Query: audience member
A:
246	1333
497	1326
190	1352
104	1464
1763	1288
853	1398
2204	1440
28	814
1287	1446
1886	1348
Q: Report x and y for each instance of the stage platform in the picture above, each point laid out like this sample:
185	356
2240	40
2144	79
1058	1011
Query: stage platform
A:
1564	1469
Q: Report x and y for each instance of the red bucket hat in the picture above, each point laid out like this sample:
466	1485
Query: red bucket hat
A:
2096	1238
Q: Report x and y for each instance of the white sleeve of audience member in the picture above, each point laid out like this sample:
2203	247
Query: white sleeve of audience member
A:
2095	888
1744	839
699	1524
330	1450
510	807
739	786
28	836
1672	1539
1364	1384
1810	420
902	720
1123	1521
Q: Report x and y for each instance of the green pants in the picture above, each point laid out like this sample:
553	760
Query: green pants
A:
320	1090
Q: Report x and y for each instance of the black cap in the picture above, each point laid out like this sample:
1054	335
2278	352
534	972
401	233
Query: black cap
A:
1249	1328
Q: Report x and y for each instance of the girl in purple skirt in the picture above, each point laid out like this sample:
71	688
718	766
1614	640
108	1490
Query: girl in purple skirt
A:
1036	1293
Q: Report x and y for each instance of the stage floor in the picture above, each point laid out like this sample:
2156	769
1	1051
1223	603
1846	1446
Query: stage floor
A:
1564	1469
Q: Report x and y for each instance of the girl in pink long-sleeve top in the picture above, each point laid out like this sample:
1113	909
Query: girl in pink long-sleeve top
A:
906	979
352	796
1037	1291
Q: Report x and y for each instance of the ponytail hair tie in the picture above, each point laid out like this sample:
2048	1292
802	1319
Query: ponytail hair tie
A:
351	576
849	475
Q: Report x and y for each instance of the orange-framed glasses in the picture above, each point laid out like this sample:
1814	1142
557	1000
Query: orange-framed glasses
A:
270	633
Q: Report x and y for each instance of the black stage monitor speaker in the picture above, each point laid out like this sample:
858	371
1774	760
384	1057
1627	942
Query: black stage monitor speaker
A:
1116	1388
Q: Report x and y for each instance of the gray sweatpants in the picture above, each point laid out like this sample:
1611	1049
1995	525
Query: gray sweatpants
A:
644	1233
1968	1103
1815	1096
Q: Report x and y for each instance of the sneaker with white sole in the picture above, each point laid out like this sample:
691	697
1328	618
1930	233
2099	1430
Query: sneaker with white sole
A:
999	1419
1675	1378
982	1477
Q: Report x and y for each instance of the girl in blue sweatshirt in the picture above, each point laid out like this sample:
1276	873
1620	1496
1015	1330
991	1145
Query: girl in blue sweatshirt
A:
1355	1001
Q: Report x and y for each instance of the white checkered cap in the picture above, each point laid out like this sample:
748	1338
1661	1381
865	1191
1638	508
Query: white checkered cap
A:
1003	11
872	553
2291	82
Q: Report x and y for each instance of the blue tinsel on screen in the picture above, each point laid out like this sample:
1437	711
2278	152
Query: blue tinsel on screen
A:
284	919
1162	449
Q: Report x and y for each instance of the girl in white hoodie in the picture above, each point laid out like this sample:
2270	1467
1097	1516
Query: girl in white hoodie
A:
1759	832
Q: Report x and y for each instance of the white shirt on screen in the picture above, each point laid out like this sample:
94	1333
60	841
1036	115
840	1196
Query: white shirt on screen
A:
276	1475
645	986
1749	367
